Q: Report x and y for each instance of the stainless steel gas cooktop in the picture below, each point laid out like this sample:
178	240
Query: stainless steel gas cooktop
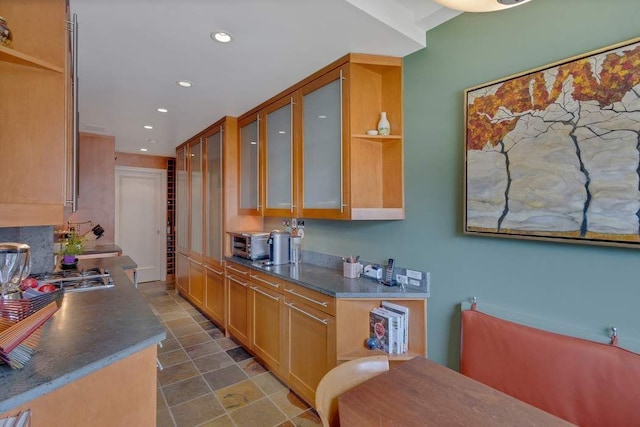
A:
77	280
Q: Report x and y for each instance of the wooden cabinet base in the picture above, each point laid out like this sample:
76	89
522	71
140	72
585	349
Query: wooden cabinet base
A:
121	394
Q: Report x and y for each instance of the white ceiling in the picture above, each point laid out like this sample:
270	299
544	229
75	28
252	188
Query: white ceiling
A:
132	52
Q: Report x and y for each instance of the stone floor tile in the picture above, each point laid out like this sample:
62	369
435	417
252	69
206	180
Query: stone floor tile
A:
169	344
180	322
223	421
164	419
207	325
161	405
203	349
193	339
308	418
173	315
183	391
197	411
215	333
260	413
268	383
213	362
287	423
289	403
176	373
187	329
224	377
238	395
226	343
252	367
238	354
170	358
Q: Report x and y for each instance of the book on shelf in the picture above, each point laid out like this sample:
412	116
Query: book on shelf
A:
394	329
380	330
404	312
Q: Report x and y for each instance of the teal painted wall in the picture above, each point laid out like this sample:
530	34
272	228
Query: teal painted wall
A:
588	287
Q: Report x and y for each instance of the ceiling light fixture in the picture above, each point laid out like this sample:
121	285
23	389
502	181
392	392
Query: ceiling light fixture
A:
184	83
148	127
153	141
143	149
221	36
163	110
480	5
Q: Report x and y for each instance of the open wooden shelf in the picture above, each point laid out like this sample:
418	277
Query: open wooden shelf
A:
380	138
14	56
365	352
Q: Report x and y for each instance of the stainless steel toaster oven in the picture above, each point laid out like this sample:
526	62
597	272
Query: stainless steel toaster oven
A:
250	244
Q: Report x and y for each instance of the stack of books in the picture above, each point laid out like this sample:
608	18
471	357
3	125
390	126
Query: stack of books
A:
389	327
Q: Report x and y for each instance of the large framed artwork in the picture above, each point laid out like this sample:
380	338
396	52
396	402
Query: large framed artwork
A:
554	153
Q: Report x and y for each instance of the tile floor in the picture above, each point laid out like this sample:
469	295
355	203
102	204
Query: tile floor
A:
209	380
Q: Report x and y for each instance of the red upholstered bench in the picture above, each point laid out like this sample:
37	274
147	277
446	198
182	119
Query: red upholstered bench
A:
583	382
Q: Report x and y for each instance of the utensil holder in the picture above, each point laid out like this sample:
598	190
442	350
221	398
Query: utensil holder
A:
351	270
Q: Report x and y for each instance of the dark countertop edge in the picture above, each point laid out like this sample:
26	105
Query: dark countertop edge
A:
102	249
329	292
90	368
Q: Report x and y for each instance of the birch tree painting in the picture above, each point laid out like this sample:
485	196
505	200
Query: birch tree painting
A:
555	153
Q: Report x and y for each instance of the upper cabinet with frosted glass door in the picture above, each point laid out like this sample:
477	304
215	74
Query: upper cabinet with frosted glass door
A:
214	194
324	156
182	238
249	194
278	158
196	203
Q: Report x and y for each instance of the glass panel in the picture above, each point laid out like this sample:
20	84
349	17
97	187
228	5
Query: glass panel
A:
181	199
279	177
214	196
196	197
322	147
249	166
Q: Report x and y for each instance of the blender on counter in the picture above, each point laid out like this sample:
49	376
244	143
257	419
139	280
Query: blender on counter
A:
15	265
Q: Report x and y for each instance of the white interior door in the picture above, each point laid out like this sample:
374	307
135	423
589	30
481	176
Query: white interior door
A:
141	218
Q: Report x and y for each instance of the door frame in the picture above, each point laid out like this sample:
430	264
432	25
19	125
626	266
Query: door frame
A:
162	206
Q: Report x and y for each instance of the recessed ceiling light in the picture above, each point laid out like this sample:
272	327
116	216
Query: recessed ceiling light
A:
184	83
281	132
148	127
254	143
322	117
143	149
221	36
163	110
153	141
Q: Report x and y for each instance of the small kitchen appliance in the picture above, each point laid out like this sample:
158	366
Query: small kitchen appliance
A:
15	265
279	242
250	245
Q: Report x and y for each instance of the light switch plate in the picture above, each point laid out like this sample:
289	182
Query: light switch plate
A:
412	274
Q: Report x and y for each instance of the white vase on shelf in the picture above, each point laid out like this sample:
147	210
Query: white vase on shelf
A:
384	128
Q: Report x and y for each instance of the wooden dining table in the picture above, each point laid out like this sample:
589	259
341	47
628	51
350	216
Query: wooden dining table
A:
420	392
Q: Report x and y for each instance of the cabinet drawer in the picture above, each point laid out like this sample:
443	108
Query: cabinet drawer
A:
267	280
310	297
238	270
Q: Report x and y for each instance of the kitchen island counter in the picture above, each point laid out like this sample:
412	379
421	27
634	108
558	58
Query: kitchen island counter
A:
91	331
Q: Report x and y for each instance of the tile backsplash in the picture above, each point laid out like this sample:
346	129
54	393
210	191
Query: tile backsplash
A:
40	239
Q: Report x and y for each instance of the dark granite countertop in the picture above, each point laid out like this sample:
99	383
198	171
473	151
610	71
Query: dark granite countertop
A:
91	330
332	282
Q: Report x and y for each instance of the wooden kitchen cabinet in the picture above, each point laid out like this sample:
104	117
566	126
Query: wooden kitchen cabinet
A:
214	295
310	339
33	114
182	197
315	158
182	273
237	290
267	317
196	283
196	192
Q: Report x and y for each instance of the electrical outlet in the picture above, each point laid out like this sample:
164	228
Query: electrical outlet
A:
301	223
294	222
414	282
401	279
412	274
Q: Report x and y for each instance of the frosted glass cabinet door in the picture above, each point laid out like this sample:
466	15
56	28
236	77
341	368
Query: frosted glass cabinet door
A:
279	164
181	201
195	163
213	204
249	151
322	147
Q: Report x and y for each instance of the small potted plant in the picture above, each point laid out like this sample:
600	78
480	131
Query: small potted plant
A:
72	246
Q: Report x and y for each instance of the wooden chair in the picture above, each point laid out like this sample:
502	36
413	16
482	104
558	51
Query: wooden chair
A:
341	379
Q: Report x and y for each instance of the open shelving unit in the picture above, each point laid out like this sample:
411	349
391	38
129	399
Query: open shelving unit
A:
171	217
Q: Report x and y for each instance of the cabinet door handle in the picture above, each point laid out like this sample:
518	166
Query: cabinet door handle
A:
258	163
264	293
219	273
266	282
325	321
195	262
291	149
322	303
233	279
244	273
341	152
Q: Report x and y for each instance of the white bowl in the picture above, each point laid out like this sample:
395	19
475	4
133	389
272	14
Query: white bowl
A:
372	132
